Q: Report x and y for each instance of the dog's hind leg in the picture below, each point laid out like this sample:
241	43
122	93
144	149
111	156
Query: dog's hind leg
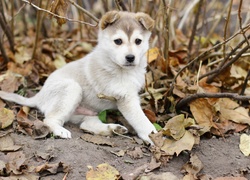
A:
66	98
94	125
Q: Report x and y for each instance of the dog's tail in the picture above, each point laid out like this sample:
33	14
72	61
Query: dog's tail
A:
31	102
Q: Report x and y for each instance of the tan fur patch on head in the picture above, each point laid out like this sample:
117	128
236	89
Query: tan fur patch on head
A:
130	20
108	18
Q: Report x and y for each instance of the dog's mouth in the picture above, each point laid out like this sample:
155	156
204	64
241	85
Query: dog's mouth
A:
129	65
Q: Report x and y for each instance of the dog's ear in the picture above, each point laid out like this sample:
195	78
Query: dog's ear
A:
145	20
108	18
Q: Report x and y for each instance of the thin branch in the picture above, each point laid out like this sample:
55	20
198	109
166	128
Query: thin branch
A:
7	31
226	27
245	83
224	61
205	53
84	11
120	4
190	44
193	97
56	15
38	28
240	22
226	65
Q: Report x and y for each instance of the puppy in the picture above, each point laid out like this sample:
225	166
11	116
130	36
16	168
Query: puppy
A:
115	68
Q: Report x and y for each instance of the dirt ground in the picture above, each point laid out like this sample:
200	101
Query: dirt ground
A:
220	157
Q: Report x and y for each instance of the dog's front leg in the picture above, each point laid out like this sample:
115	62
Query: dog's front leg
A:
130	107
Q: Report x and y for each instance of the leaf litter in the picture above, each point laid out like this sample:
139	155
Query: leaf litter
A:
180	130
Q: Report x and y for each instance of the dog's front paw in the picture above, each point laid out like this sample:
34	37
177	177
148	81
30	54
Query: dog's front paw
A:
116	128
62	132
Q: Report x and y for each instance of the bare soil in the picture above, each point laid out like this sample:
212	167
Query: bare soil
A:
220	156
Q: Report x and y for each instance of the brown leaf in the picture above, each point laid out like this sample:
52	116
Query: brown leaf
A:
37	129
10	82
16	162
203	114
171	147
59	7
97	139
48	169
161	176
150	115
102	171
2	104
230	178
7	144
6	117
136	153
194	166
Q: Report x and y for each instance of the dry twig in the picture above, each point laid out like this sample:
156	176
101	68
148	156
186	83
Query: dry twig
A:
204	54
58	16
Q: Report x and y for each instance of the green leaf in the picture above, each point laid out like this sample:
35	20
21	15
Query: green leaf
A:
103	116
157	126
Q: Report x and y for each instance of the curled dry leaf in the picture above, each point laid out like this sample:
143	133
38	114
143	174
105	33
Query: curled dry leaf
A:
193	167
48	169
37	129
6	117
245	144
175	127
102	171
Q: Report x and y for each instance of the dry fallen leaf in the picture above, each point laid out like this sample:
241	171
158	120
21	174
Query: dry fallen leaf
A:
16	162
170	147
193	167
102	171
97	139
47	169
6	117
230	178
152	54
203	114
136	153
37	129
230	110
10	81
7	144
162	176
245	144
175	127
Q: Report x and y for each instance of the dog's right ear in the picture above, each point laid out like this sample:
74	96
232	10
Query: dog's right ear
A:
108	19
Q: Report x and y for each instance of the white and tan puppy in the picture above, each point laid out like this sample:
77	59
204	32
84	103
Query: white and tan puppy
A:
115	68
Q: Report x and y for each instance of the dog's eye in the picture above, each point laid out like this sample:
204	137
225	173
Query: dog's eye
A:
137	41
118	41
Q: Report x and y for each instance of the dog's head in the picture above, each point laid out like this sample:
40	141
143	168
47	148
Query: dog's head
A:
125	37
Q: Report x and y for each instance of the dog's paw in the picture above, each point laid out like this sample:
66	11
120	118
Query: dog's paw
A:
62	132
146	139
116	128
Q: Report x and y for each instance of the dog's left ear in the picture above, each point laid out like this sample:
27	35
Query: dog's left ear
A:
145	20
108	18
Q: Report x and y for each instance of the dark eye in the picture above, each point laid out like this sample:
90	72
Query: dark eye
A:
118	41
137	41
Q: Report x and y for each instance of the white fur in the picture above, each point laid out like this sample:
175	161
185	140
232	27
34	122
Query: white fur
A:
74	88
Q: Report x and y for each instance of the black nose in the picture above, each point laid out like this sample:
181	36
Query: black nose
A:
130	58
